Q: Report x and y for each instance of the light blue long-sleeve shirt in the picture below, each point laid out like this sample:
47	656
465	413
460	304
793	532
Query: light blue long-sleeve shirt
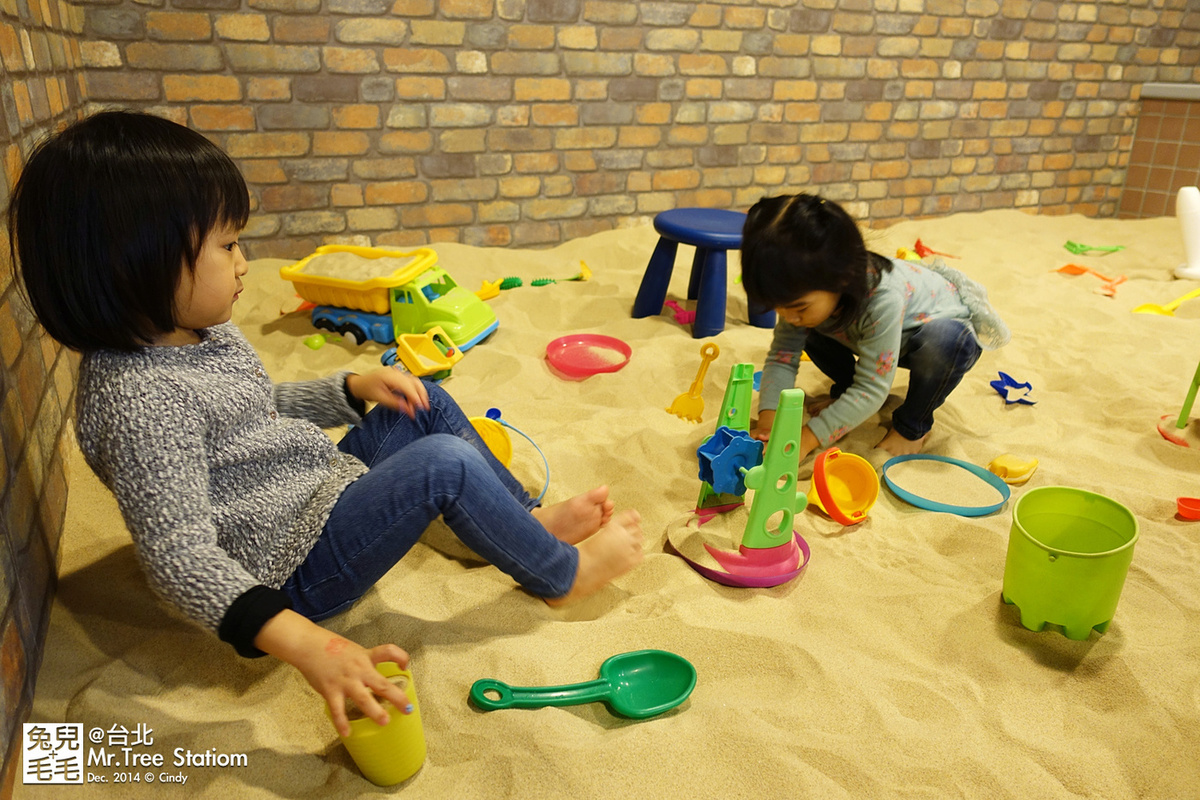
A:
907	296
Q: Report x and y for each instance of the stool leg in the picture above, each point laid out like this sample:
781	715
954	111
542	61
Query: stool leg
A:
698	261
762	316
710	303
653	291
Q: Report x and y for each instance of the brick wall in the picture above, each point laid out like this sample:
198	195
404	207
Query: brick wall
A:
525	122
41	85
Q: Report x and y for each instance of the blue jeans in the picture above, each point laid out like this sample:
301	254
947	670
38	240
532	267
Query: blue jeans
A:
937	356
420	469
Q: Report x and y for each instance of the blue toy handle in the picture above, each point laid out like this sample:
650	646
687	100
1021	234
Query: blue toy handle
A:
494	413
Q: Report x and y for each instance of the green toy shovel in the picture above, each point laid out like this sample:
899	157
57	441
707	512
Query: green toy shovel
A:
637	685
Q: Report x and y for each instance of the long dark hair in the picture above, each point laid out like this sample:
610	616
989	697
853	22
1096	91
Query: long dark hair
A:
106	215
796	244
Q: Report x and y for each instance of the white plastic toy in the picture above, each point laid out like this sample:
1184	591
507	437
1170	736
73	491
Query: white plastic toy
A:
1187	211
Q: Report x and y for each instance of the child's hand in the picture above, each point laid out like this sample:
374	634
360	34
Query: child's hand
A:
766	421
808	442
336	667
342	669
762	426
392	388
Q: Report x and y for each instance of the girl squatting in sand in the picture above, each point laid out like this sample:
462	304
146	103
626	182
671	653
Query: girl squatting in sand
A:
860	317
245	516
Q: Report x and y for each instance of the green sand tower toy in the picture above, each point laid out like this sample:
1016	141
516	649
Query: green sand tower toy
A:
770	553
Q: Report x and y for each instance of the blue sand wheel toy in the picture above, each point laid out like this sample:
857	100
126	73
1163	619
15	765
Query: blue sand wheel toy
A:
725	458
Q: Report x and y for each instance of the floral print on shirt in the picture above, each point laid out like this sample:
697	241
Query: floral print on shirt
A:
885	363
785	356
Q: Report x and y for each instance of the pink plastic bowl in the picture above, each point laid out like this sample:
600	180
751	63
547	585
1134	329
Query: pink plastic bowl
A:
582	355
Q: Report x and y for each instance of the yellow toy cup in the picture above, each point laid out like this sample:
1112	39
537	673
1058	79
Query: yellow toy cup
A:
844	486
389	754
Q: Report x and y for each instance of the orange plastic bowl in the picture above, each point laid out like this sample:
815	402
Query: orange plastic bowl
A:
1188	507
845	486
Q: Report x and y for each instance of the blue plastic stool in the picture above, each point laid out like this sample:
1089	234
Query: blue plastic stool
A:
712	231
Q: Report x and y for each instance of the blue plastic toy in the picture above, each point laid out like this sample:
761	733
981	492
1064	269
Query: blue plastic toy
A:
725	457
1012	390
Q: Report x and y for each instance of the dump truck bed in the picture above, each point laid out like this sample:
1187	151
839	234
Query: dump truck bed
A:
361	295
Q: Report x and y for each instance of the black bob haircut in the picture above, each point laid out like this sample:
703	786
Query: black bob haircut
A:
104	218
796	244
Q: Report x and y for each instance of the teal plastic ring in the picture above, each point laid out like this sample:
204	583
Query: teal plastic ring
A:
932	505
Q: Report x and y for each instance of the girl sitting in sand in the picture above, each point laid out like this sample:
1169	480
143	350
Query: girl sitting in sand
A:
245	516
859	316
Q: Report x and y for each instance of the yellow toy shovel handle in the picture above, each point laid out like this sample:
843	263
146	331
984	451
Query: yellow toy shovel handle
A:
1178	301
708	354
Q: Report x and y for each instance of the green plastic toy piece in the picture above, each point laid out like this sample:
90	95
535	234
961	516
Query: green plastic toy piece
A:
542	282
774	481
735	407
735	414
511	283
1186	411
1080	249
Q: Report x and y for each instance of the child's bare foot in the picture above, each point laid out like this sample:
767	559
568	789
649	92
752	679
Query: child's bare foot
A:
897	445
614	550
576	519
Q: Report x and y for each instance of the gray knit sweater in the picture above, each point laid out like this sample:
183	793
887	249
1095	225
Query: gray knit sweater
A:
224	479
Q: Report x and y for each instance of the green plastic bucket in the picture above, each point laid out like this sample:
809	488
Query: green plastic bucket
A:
1068	553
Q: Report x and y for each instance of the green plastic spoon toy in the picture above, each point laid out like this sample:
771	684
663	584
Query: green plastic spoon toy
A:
637	685
1082	249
